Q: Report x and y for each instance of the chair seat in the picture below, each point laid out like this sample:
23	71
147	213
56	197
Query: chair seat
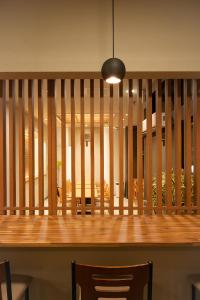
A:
19	284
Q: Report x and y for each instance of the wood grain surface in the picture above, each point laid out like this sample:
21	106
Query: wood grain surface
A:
104	231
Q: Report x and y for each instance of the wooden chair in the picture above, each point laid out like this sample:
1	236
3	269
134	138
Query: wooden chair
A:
14	287
195	285
112	282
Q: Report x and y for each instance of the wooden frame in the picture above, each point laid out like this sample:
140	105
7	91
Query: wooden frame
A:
116	109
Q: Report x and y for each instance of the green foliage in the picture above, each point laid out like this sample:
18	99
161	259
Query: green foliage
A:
183	188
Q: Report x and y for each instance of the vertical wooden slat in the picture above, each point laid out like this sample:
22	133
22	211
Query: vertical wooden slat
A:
159	145
121	153
168	142
129	97
3	181
12	160
73	154
49	116
149	146
139	147
41	100
177	139
21	153
196	109
31	100
68	105
97	102
63	146
82	137
111	153
92	145
25	98
102	150
55	99
187	143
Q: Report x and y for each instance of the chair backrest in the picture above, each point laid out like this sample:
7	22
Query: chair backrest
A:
125	282
5	277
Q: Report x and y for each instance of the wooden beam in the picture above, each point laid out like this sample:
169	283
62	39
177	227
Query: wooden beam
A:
21	143
159	145
49	129
82	141
196	109
129	98
140	113
187	143
168	142
178	140
97	75
149	146
73	149
92	161
12	160
41	100
101	99
56	98
64	147
31	99
111	153
3	181
121	156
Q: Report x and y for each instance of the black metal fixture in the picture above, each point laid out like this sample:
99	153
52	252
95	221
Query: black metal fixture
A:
113	69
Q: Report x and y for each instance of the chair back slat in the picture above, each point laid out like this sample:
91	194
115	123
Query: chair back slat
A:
126	282
5	277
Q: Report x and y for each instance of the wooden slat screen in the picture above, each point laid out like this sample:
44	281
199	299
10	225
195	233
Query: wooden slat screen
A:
140	172
196	124
3	170
80	146
41	101
92	157
111	152
63	194
187	142
159	146
12	88
31	141
130	149
148	165
21	143
168	145
177	142
82	135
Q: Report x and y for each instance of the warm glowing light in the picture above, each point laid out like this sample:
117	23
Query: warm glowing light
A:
134	91
113	80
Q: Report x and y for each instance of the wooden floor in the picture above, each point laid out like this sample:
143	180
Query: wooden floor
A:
104	231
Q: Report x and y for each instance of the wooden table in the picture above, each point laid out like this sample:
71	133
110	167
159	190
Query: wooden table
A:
99	231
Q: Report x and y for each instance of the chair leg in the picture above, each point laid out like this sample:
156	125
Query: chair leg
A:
193	292
27	294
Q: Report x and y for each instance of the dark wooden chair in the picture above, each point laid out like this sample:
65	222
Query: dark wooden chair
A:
195	285
112	282
14	287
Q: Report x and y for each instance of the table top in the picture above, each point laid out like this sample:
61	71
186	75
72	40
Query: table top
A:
99	231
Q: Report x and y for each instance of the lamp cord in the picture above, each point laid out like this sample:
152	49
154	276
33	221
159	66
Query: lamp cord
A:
113	27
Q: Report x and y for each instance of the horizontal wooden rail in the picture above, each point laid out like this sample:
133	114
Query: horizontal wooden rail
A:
97	75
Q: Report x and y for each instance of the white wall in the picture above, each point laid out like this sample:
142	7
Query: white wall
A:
66	35
87	155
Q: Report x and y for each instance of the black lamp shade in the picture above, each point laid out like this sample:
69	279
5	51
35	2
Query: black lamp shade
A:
113	68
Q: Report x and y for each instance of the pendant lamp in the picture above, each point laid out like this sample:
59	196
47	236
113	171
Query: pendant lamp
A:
113	69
